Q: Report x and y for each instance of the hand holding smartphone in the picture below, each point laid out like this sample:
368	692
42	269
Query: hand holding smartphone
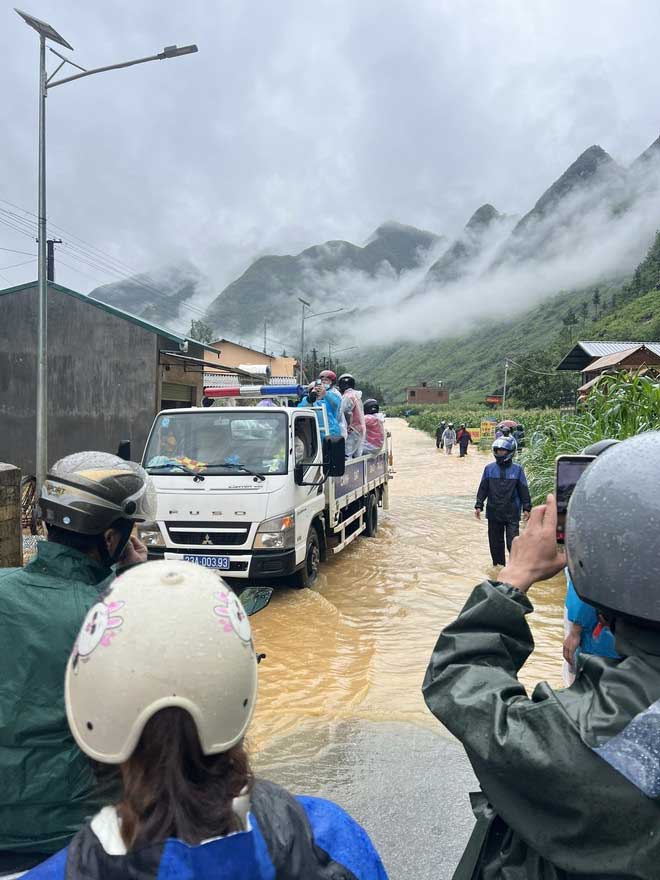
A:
569	469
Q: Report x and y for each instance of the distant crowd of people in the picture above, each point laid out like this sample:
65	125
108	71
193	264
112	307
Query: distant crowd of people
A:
341	413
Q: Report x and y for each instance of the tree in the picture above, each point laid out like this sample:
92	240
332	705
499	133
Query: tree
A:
569	321
535	383
596	301
201	331
584	308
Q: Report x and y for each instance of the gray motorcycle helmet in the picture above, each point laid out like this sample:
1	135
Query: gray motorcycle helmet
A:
598	447
612	530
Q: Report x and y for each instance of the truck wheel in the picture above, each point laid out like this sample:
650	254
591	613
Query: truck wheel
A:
309	573
371	516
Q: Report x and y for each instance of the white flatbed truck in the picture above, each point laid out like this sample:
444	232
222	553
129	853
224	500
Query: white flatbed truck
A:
255	493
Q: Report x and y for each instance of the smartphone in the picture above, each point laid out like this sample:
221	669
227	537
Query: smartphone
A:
569	469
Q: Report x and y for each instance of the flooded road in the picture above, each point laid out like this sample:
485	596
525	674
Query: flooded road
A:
339	693
357	646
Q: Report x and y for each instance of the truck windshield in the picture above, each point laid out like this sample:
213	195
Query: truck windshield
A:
218	442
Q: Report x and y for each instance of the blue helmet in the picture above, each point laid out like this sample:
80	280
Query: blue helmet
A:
506	443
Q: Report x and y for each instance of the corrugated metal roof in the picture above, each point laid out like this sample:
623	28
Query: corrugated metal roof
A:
112	310
611	360
600	349
584	352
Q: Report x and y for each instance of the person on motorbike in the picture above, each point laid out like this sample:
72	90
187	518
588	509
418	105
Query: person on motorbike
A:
162	682
90	502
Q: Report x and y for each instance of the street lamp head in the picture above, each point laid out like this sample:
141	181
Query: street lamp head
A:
175	51
43	29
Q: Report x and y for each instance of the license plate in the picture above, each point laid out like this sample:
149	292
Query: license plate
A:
221	562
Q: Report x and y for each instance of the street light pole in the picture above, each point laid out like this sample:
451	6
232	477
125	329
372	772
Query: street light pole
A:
41	463
47	32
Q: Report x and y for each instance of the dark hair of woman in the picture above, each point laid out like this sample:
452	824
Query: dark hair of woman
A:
172	789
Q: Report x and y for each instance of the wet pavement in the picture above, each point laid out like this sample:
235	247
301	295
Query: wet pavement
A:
340	712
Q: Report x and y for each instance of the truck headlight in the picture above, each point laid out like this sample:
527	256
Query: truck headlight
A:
278	533
149	534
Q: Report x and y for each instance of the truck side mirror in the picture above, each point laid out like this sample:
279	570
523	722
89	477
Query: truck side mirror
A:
124	450
334	456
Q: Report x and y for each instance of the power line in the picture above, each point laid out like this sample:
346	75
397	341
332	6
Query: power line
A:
14	265
89	255
12	251
529	370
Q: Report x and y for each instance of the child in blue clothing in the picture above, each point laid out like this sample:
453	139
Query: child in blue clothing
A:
586	632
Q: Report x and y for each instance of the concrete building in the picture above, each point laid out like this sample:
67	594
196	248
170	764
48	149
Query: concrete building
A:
109	372
234	355
427	392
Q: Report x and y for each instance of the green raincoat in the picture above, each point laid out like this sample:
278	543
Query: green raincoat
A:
550	807
47	786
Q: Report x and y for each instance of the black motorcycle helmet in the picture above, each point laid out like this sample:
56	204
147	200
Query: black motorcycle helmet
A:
371	407
91	492
346	380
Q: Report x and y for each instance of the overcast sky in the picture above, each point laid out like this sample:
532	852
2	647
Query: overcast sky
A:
299	122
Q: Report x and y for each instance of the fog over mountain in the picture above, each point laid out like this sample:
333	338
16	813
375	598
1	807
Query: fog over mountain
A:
594	223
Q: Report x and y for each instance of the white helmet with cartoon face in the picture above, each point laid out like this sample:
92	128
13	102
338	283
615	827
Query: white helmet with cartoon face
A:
168	634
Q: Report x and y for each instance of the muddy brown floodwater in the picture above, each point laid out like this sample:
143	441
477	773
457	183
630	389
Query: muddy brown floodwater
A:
357	646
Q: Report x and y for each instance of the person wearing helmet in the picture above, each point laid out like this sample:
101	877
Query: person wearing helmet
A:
587	631
449	438
317	398
464	438
89	502
374	422
519	435
353	414
333	398
504	486
174	721
570	778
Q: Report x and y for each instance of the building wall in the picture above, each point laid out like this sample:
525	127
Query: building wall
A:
102	378
233	355
635	361
427	394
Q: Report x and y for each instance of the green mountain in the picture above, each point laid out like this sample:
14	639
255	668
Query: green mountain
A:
623	309
593	181
272	284
457	259
157	296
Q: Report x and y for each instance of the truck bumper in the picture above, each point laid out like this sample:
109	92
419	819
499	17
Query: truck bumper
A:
249	566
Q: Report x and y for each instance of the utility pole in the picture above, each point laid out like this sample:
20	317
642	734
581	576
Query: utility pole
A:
315	363
265	325
506	373
305	305
50	258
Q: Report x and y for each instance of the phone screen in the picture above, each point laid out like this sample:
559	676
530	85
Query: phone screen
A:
569	470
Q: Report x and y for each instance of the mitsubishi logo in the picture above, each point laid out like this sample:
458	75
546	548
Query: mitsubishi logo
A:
207	540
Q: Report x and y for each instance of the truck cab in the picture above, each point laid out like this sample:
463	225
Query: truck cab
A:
242	490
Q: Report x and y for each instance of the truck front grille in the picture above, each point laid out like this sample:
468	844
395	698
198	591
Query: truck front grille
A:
213	534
